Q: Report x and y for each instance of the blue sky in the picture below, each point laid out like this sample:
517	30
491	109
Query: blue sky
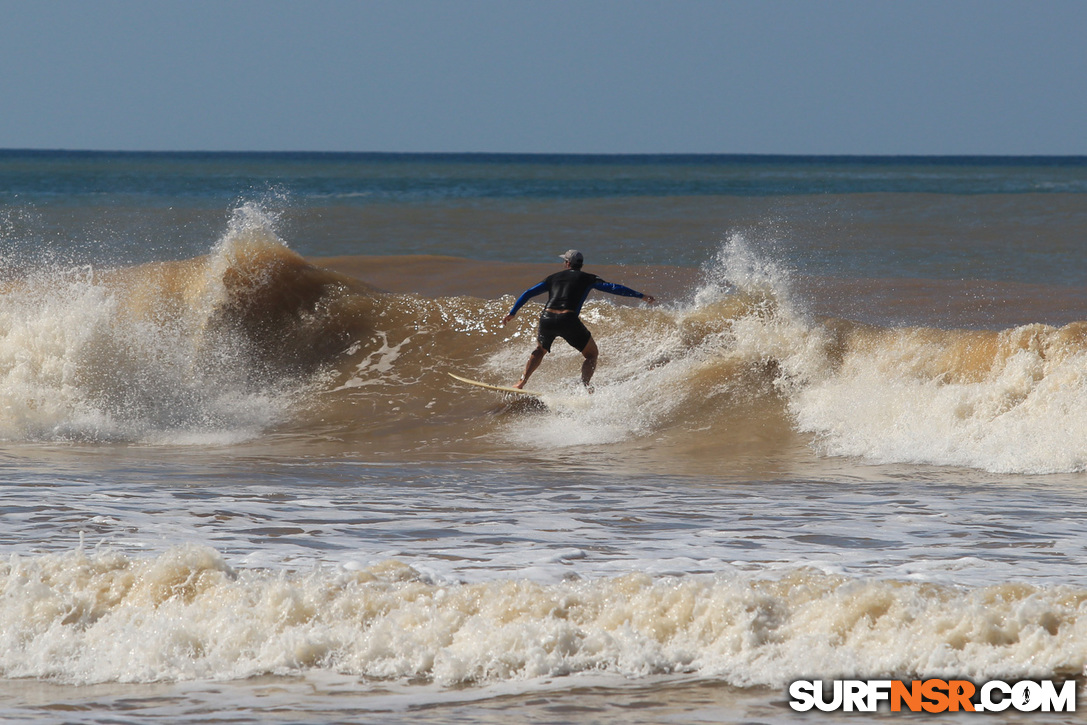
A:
625	76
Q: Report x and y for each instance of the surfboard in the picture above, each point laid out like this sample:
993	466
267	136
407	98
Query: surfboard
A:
499	388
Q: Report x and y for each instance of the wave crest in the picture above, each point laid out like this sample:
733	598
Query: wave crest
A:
212	349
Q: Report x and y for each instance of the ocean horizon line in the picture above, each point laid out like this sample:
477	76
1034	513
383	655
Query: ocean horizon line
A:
560	157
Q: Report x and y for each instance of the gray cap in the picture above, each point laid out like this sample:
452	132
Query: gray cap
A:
574	257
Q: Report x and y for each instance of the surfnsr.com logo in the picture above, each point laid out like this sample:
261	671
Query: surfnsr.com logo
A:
933	695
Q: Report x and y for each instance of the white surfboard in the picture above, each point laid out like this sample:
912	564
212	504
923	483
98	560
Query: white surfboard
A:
499	388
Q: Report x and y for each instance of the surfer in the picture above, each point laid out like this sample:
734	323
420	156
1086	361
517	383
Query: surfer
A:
567	291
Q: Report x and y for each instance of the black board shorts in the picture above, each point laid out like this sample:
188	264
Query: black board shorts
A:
567	326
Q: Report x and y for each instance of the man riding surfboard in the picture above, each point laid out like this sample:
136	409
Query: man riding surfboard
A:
567	291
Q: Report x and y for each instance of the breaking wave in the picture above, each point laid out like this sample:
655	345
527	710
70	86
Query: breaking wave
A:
252	338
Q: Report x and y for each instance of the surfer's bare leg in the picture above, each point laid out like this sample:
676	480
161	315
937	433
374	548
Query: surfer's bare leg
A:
534	361
591	353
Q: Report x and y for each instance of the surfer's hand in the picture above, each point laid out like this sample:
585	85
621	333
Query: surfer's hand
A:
649	299
506	319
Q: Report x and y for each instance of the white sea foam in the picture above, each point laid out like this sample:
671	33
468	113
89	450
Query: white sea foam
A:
1027	413
186	614
377	368
1014	403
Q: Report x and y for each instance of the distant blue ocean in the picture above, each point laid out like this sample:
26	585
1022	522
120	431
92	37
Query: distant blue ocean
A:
829	212
376	177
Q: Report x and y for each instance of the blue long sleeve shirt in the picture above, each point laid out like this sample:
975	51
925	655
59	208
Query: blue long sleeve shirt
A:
568	290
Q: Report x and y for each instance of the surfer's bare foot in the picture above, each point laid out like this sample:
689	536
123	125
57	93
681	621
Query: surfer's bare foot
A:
520	384
589	388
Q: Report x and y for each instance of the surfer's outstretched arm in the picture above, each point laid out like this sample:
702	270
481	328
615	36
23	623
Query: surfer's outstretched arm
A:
622	291
525	297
